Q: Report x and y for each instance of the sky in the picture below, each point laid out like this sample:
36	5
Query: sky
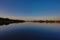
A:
30	8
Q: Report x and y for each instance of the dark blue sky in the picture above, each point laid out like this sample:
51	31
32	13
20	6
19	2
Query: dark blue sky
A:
30	8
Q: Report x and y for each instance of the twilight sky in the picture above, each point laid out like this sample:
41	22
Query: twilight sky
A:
30	8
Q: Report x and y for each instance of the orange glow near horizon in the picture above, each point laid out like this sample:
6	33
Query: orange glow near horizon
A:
29	18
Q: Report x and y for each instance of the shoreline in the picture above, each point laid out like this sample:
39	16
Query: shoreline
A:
6	21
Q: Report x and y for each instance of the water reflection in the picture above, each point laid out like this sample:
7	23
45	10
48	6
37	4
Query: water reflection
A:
30	31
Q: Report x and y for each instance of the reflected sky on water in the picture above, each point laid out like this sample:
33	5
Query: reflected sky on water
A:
30	31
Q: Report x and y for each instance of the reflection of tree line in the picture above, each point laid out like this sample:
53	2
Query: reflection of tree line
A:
6	21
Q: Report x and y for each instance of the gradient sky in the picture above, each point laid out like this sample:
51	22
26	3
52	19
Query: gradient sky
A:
30	8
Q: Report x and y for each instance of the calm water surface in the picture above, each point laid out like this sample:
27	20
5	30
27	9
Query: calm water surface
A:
30	31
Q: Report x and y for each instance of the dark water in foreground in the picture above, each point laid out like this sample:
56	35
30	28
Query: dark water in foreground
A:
30	31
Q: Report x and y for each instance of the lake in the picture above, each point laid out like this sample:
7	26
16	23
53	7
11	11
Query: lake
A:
30	31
